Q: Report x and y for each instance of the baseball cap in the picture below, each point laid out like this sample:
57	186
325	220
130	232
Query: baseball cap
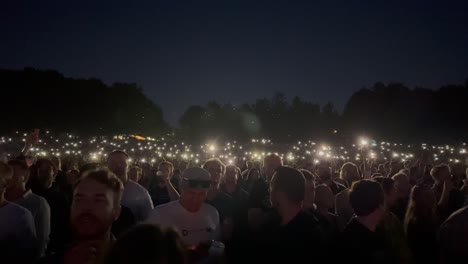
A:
197	178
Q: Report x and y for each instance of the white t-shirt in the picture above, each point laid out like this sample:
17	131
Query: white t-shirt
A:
40	211
193	227
137	198
17	227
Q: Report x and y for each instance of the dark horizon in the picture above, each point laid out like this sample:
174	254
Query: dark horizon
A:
235	51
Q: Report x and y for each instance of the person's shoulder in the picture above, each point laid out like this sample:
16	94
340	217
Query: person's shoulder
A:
459	215
16	209
342	195
209	210
135	186
340	186
167	206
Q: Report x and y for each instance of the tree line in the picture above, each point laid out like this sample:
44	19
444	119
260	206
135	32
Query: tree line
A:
392	111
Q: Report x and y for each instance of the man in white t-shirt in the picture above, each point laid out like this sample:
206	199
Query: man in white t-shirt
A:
135	196
196	221
17	232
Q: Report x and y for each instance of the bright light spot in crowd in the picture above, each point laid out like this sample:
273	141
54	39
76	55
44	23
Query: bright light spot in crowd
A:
321	153
143	160
230	161
364	142
462	151
395	155
212	148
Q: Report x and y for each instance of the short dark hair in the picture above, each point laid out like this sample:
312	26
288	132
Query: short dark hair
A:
107	178
214	160
436	170
166	163
307	174
366	196
148	243
387	183
291	182
118	152
41	161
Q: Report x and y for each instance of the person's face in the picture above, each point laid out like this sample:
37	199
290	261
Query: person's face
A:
351	175
133	175
403	187
93	209
20	176
231	176
193	199
165	170
117	163
45	174
324	173
391	198
216	172
324	197
270	165
445	175
72	176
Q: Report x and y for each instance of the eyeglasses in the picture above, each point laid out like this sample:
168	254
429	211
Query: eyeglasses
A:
198	183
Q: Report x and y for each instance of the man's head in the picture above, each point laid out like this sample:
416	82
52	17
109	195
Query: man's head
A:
194	185
20	174
324	172
165	170
232	175
367	199
350	173
117	163
309	198
134	173
441	173
287	187
249	164
216	168
388	186
6	173
270	164
96	204
45	173
324	198
402	185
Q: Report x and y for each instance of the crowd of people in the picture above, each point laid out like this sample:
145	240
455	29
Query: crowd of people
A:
118	211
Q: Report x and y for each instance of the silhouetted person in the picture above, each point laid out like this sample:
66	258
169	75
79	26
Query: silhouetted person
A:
421	225
147	243
135	196
359	242
453	237
403	188
161	189
448	198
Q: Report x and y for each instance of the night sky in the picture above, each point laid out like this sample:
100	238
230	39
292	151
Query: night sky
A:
191	52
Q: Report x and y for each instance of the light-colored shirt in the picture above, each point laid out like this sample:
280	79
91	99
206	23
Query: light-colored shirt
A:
137	198
40	211
17	227
194	228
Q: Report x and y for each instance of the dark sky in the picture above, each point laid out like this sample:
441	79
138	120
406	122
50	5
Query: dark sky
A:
190	52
